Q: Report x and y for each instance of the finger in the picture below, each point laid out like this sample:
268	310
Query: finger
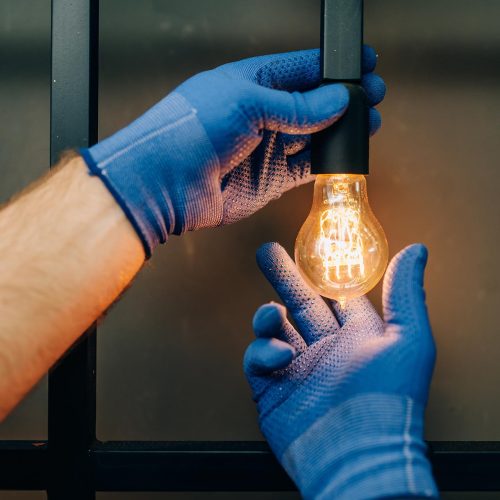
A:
299	169
403	298
264	356
375	121
369	59
270	321
359	311
295	143
311	314
299	113
292	71
374	87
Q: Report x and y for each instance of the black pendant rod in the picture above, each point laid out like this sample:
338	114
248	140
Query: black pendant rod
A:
343	148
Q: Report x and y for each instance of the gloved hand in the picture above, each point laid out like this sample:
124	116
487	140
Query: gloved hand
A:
223	144
341	399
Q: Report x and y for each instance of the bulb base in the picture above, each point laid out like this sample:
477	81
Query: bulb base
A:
343	148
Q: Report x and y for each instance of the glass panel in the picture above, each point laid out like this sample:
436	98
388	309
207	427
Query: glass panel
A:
170	351
184	325
24	144
435	177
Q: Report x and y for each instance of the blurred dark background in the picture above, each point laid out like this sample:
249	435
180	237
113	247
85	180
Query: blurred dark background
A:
169	354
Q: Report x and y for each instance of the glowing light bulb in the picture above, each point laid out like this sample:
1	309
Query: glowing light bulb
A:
341	250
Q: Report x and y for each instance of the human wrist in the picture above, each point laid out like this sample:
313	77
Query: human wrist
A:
370	446
161	170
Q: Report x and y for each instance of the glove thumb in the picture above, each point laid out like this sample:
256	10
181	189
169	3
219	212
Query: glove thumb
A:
403	296
301	112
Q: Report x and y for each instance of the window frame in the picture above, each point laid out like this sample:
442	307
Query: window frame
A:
73	463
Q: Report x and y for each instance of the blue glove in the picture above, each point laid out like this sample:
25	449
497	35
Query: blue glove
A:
223	144
341	399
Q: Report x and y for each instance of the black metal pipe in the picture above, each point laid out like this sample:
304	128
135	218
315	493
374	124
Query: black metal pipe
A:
343	148
73	120
222	466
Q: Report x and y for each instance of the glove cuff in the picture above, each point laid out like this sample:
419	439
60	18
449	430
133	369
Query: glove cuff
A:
371	446
161	170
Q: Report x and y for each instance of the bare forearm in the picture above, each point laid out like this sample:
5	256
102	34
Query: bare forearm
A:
66	252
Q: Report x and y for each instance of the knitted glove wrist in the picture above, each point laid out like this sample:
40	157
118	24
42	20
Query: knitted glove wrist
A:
149	196
369	446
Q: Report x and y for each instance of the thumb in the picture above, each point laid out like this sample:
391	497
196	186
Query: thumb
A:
403	299
301	112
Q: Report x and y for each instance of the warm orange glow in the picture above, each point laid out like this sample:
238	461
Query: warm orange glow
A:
341	250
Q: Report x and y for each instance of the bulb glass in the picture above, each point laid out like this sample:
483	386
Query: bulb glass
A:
341	250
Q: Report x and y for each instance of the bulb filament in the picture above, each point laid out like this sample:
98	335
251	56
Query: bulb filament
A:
340	244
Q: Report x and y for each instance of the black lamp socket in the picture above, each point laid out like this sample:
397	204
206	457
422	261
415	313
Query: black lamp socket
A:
343	148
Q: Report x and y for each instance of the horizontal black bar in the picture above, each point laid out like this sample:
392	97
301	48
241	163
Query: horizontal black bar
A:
223	466
23	465
466	466
212	466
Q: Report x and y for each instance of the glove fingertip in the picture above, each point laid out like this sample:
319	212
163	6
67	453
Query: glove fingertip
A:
267	355
267	253
369	58
268	319
403	283
375	121
375	88
416	254
329	101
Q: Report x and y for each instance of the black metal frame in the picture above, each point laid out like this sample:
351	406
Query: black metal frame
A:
73	463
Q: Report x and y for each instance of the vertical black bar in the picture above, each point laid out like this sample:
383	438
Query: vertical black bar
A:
73	124
75	32
341	40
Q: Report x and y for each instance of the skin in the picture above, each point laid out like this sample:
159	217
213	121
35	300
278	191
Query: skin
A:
67	251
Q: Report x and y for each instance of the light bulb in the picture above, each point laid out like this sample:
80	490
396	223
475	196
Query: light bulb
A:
341	250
